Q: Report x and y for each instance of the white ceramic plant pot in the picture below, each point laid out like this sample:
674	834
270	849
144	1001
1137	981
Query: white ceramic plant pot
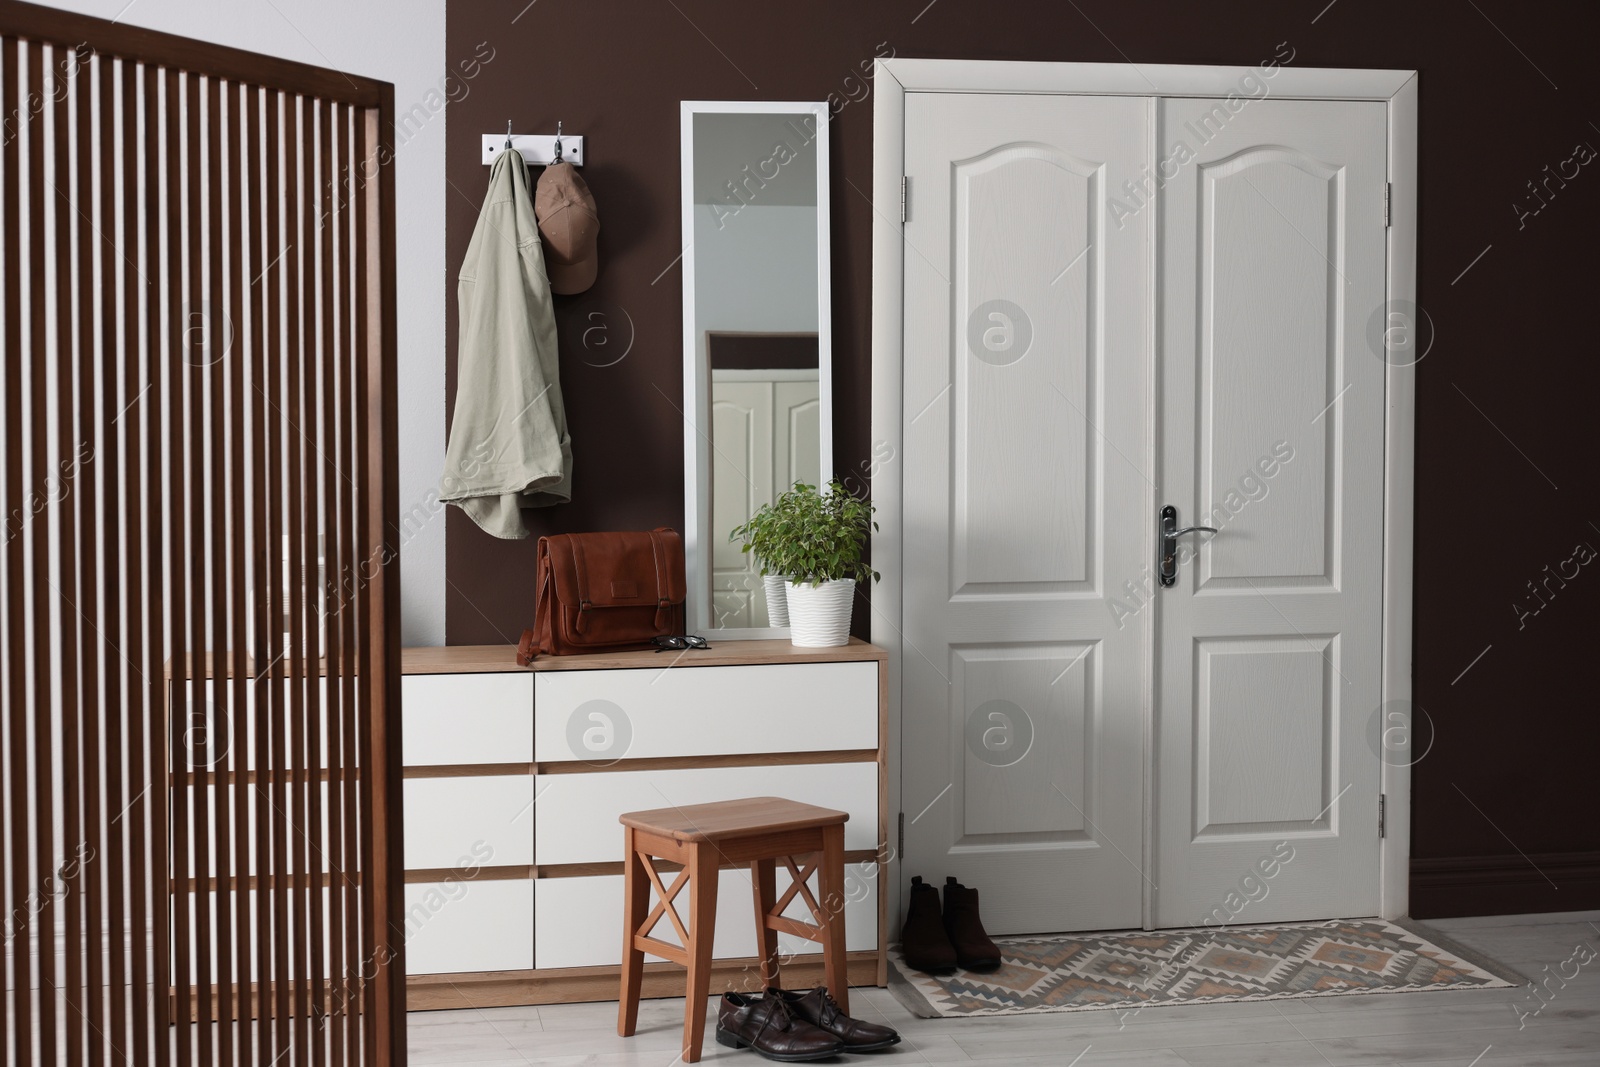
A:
776	587
819	616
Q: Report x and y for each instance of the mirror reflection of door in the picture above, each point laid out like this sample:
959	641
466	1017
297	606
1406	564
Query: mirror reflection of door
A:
756	309
765	419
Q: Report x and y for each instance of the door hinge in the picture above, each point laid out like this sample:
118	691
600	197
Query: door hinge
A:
900	845
1388	199
905	197
1383	812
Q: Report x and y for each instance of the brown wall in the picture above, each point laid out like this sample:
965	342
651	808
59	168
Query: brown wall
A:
1506	816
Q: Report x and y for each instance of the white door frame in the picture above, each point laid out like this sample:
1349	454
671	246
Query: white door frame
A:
1398	89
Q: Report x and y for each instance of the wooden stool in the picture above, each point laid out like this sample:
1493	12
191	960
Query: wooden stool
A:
702	838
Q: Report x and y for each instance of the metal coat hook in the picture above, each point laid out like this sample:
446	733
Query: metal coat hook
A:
558	142
508	133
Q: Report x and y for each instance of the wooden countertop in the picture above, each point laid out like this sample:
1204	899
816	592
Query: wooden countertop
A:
492	659
502	659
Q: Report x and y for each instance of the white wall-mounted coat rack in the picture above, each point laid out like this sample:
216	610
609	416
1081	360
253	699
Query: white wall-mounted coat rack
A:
538	149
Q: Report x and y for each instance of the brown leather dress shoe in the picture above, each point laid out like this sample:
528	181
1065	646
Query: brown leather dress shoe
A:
767	1025
817	1007
923	940
973	947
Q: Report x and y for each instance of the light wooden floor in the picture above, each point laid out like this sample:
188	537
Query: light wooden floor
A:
1452	1029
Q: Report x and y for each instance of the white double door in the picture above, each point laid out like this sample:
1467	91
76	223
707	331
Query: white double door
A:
1112	305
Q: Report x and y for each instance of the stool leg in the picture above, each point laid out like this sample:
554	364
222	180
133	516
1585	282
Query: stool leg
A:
635	906
830	891
702	928
764	880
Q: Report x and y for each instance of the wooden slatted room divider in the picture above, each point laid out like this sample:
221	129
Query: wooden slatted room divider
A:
200	637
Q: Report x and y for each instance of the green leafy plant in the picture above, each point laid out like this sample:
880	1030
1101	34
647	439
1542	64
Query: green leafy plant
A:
759	536
811	536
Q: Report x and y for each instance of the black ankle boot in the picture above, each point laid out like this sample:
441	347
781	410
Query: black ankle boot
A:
923	941
965	931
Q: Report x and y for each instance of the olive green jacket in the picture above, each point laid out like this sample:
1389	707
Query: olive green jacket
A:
509	447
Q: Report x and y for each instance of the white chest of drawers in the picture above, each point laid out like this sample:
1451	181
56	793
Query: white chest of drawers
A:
514	778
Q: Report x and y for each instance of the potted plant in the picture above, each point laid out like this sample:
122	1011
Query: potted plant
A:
817	538
759	537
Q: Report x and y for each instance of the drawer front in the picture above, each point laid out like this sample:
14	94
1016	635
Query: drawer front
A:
704	711
292	804
576	817
457	822
466	718
469	926
212	736
578	921
248	899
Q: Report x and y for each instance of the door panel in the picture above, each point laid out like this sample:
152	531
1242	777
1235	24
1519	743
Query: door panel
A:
797	444
1006	797
1255	773
1026	435
1017	208
1271	250
741	481
1268	221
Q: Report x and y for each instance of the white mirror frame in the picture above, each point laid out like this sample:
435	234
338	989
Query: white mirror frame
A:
697	442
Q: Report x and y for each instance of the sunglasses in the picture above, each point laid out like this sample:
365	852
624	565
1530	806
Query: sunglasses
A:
672	643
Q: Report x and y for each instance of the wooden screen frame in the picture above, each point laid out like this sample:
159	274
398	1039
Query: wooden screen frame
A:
141	66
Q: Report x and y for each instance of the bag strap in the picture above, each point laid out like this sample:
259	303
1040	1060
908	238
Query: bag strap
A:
580	570
527	648
664	612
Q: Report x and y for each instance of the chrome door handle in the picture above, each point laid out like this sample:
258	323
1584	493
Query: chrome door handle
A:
1167	564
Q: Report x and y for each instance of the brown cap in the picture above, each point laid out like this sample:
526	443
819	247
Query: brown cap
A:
569	227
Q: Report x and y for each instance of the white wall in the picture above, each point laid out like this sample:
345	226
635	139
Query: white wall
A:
399	41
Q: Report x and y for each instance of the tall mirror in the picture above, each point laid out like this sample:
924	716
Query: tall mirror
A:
756	343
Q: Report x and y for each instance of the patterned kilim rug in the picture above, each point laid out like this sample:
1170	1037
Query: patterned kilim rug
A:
1145	969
